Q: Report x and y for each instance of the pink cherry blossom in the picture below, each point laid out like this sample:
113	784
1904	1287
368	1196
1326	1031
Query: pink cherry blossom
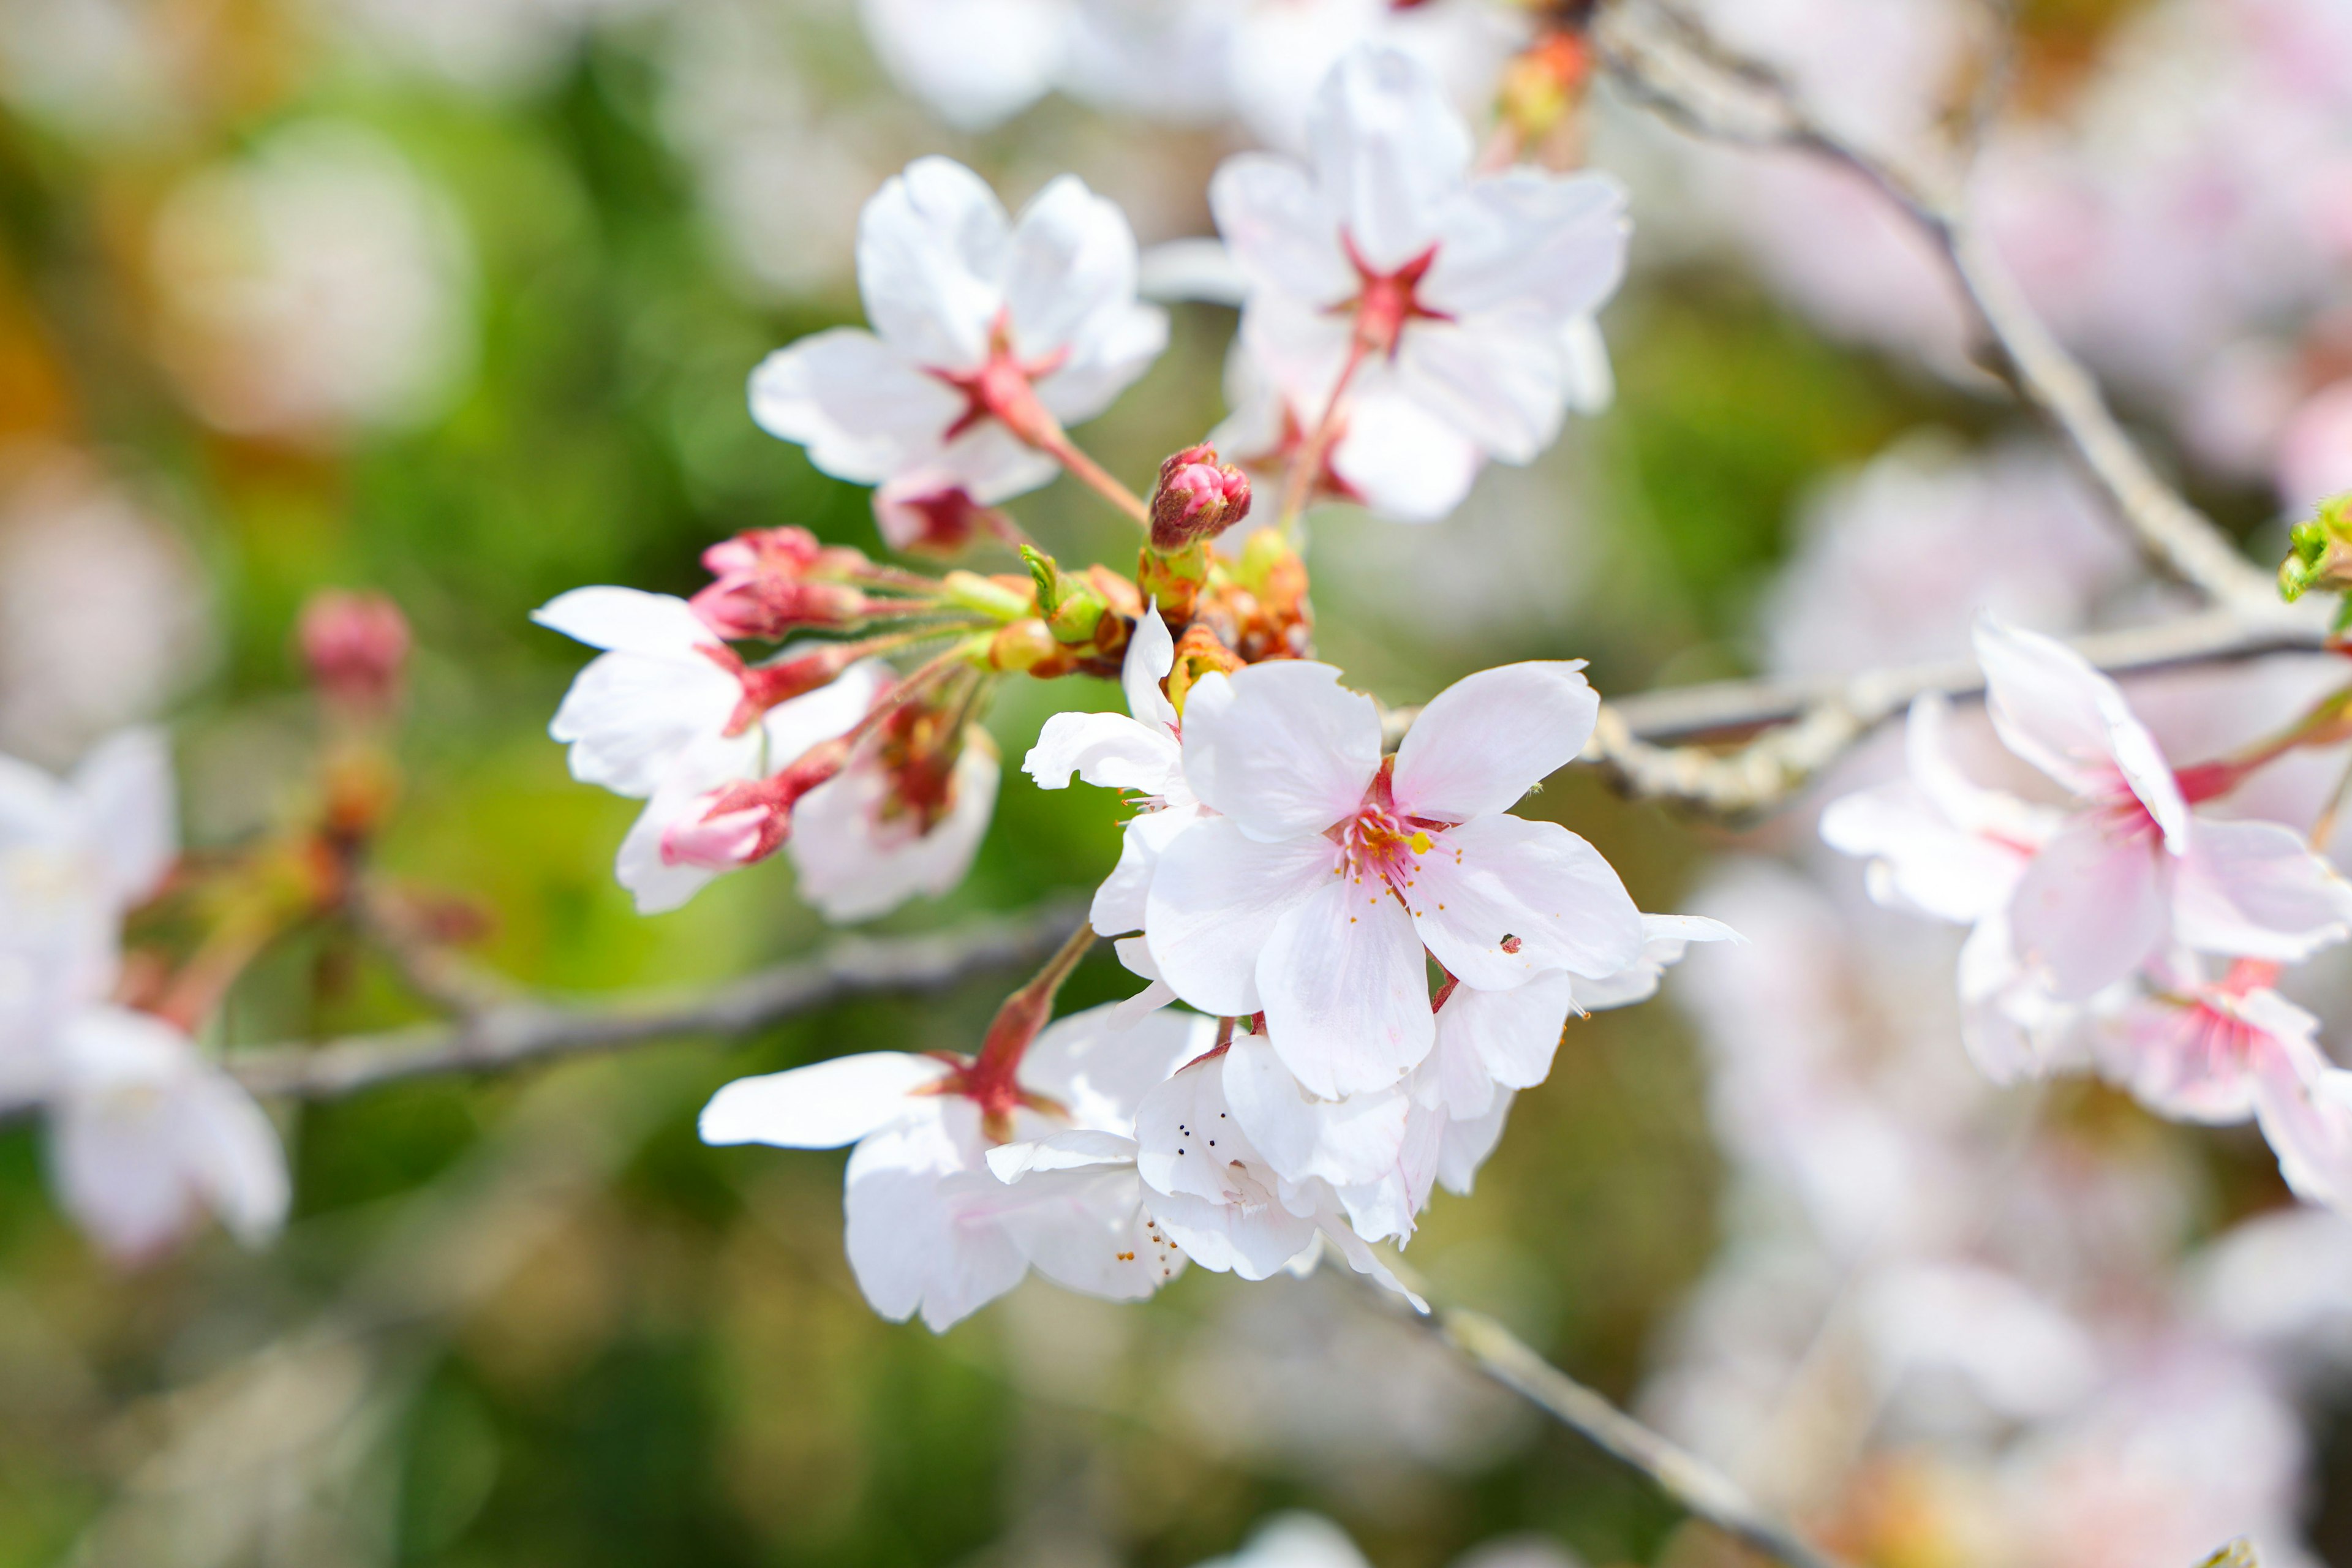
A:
669	715
932	1228
2225	1050
1440	305
1328	870
989	334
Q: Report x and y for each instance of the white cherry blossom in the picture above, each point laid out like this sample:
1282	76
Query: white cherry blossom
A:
668	714
1442	306
1313	893
145	1135
930	1228
861	848
989	334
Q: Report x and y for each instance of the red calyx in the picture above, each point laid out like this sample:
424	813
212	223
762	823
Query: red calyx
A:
1002	389
1386	300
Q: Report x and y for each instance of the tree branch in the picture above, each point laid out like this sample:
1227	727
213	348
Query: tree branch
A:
1702	1490
509	1033
1668	61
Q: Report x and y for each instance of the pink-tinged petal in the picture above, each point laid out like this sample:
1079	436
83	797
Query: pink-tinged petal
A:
2305	1107
126	794
1401	461
1928	751
829	712
1345	988
1283	748
1918	860
1499	877
1098	1071
656	881
822	1106
1528	236
931	245
1510	1034
1278	229
2091	909
1214	901
1302	1138
1387	151
1150	656
2012	1028
2052	708
1489	737
1466	1142
1109	751
2254	889
855	866
2181	1062
1499	379
864	411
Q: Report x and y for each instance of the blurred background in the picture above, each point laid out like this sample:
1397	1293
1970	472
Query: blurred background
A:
454	299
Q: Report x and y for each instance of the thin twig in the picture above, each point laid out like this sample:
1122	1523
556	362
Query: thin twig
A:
511	1034
1668	61
1701	1489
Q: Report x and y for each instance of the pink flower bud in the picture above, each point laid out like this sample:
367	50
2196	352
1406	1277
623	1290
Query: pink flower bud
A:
353	646
768	585
1197	499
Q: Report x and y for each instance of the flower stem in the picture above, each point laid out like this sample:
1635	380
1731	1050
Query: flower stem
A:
1023	1014
1056	442
1307	464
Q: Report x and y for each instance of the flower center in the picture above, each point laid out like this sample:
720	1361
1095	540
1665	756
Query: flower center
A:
1382	841
1385	301
1001	389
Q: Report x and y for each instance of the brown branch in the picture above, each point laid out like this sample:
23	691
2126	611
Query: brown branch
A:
1668	61
510	1034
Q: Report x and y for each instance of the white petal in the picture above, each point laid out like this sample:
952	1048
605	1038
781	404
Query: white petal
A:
865	412
235	1159
973	61
932	245
919	1234
1099	1071
1345	988
1388	148
1403	461
630	720
1488	738
1281	748
2254	889
1665	939
1119	903
853	866
827	714
1255	1240
1150	656
2090	909
1213	904
1281	233
126	794
1087	1231
1354	1140
624	620
1069	266
1499	877
1467	1142
1109	751
1079	1151
2305	1107
1511	1034
2052	708
1530	239
1500	379
822	1106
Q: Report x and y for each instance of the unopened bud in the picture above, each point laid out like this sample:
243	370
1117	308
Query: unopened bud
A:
743	822
771	581
1197	498
2320	552
355	646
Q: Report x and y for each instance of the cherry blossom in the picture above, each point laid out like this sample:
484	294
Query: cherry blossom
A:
903	819
931	1229
1440	306
1312	895
668	714
145	1135
989	334
2222	1051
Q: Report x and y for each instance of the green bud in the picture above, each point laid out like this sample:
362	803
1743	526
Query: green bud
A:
2319	552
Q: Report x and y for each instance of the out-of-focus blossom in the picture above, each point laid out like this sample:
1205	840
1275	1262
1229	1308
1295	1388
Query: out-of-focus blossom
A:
98	70
146	1137
103	614
903	819
669	715
145	1134
1440	306
932	1228
314	286
488	45
355	646
1312	894
989	334
1281	52
1895	561
2314	458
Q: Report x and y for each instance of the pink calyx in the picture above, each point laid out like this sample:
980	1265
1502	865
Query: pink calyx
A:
1003	389
1386	301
